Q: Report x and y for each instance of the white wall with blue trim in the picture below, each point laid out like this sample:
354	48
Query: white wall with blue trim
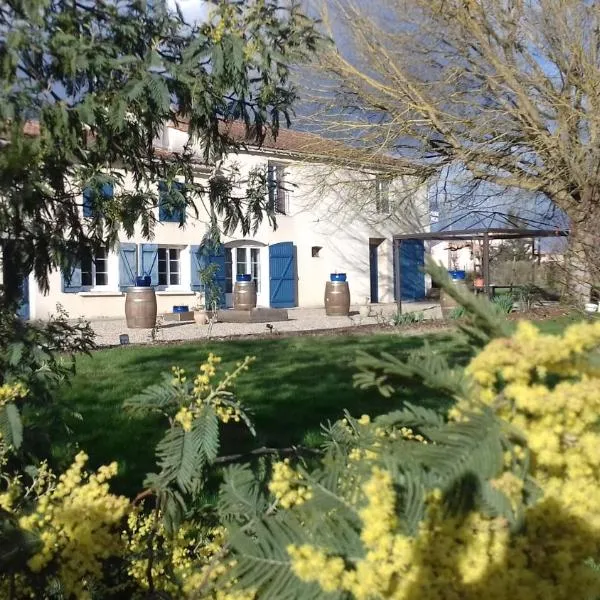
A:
320	234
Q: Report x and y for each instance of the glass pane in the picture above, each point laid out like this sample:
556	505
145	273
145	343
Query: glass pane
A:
174	278
86	278
242	265
101	278
162	266
86	272
255	264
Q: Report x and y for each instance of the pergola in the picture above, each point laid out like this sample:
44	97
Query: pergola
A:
482	234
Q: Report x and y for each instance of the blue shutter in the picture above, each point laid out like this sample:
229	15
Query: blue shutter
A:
211	254
71	280
412	275
166	213
283	280
150	262
88	203
107	191
196	262
127	265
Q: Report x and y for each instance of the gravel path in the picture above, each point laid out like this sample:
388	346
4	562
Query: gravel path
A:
300	319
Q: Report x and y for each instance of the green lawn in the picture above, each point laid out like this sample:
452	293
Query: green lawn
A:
296	384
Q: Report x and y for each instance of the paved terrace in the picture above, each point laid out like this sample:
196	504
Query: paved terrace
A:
300	319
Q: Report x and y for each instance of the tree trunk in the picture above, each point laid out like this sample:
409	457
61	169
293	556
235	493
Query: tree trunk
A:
583	262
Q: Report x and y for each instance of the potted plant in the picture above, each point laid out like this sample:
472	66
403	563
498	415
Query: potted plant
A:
206	310
200	309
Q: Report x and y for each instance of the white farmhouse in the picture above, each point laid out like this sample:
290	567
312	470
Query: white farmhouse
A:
334	214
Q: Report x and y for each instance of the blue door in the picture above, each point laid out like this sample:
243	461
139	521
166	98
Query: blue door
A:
282	275
412	275
23	310
374	271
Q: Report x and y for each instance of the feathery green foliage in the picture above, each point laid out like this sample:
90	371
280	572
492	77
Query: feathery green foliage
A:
417	446
101	79
191	444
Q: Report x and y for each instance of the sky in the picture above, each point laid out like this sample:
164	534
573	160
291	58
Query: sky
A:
536	211
193	10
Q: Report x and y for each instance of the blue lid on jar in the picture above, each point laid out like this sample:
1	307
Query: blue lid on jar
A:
457	275
337	277
143	281
244	277
181	308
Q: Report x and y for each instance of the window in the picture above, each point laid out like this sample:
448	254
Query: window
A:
90	197
382	195
94	270
315	250
278	195
171	202
169	266
241	261
255	266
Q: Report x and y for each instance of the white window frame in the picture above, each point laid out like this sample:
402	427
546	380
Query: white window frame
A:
262	276
248	251
93	271
181	264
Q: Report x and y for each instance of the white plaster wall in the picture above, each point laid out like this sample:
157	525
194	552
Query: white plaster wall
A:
329	207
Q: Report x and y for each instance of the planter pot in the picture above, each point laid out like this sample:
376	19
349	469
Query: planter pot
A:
208	315
337	299
200	317
140	307
364	311
591	307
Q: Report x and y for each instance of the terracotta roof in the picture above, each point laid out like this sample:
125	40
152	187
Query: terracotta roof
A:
301	142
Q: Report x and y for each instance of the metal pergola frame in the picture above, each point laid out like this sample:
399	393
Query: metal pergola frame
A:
484	235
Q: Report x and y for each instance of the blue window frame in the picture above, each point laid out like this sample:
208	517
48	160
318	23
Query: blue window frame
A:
89	196
167	213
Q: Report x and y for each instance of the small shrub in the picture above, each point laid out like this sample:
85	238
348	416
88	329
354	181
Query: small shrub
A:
400	319
504	304
458	313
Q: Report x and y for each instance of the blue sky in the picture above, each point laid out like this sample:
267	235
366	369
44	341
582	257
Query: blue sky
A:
483	208
193	10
